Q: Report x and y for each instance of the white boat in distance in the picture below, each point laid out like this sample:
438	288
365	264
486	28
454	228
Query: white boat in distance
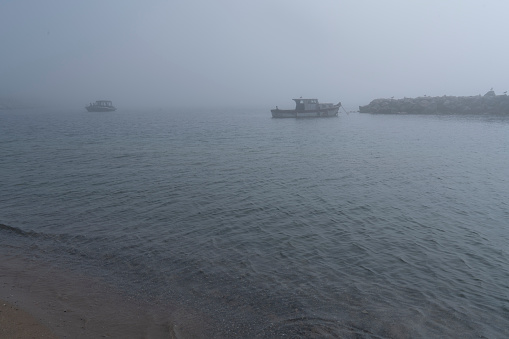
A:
101	106
307	108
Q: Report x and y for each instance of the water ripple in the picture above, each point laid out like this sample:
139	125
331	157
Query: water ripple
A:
361	226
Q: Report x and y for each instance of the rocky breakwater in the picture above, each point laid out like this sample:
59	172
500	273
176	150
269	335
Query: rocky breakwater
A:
490	103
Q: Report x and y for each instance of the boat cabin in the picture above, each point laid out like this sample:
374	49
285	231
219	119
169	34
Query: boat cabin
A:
103	103
310	105
305	104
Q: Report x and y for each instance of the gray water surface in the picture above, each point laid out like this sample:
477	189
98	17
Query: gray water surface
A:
356	226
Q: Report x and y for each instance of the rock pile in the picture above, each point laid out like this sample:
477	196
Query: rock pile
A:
490	103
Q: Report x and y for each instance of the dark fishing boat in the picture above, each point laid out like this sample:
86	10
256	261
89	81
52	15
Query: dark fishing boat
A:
101	106
307	108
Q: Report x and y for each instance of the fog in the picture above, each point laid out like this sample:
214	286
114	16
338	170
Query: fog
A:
249	53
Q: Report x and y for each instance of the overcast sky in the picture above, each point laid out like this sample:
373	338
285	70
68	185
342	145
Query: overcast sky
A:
254	53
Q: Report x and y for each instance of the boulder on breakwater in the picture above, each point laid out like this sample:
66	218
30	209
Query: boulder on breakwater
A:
490	103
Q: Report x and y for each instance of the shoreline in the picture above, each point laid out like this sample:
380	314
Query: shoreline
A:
39	300
16	323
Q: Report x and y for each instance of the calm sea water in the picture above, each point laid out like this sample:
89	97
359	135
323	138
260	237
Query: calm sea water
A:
357	226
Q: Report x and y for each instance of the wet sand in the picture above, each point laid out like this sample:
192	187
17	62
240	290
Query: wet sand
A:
18	324
38	300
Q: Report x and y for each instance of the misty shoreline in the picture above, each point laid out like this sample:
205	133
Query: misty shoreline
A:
488	104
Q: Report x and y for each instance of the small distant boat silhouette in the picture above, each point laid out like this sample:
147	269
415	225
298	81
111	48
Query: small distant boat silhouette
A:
101	106
307	108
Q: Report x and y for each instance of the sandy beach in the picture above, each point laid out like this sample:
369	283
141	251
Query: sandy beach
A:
18	324
38	300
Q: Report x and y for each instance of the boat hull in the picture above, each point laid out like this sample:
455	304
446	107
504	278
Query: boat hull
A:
319	113
100	109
